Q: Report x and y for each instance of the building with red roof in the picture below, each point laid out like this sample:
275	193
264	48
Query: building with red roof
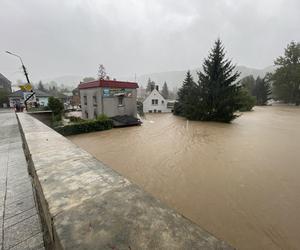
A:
109	97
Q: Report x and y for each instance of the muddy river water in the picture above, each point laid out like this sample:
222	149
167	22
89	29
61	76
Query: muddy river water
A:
239	181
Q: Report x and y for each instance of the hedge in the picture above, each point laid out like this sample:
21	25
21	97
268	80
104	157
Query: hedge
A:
85	127
75	119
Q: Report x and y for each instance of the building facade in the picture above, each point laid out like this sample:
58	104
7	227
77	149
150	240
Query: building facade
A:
156	103
5	84
5	89
41	98
109	97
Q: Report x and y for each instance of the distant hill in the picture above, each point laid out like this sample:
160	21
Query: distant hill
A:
173	78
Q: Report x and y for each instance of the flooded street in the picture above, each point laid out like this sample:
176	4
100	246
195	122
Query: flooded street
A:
239	181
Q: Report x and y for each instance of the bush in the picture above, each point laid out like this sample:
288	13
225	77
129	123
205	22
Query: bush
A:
102	117
57	123
40	108
140	110
85	127
75	119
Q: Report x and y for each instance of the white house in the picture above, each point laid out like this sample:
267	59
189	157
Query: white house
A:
156	103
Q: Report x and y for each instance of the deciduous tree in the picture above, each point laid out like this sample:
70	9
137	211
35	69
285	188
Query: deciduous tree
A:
56	106
286	79
101	72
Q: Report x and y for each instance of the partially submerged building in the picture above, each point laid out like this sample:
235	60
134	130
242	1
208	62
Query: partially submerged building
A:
110	97
156	103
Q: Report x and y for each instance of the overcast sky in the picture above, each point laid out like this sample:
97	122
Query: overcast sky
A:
72	37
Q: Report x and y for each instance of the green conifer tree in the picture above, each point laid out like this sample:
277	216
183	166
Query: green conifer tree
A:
150	85
186	95
218	95
262	91
165	91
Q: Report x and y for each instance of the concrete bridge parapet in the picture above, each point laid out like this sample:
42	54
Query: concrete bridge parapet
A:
87	205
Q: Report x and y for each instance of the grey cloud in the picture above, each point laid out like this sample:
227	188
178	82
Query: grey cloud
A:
139	36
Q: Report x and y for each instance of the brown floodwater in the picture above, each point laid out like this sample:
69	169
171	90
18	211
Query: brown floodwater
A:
239	181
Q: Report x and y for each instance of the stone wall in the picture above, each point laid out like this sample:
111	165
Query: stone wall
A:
87	205
43	116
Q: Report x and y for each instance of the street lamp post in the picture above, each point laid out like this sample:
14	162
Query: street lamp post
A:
23	66
25	73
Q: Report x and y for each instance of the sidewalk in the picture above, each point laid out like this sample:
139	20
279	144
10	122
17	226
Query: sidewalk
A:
20	226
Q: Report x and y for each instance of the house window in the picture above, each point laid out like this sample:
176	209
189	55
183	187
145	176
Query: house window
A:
95	113
120	101
85	100
159	111
162	101
154	102
86	115
150	111
95	100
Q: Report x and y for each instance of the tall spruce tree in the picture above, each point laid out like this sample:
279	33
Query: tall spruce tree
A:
218	95
165	91
186	94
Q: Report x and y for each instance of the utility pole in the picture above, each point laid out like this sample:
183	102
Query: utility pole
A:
26	75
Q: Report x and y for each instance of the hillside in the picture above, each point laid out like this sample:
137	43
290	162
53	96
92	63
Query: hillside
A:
173	78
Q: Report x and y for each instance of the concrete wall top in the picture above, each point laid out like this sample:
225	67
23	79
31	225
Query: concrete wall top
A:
91	206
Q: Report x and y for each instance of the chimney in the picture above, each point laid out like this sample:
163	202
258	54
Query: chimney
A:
156	87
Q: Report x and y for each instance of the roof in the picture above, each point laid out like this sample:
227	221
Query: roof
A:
153	92
108	84
38	93
2	77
